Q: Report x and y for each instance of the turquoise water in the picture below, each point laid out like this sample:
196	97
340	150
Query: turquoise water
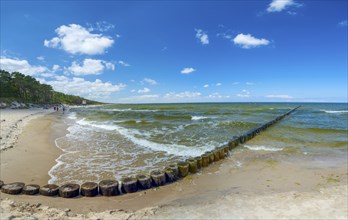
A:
115	140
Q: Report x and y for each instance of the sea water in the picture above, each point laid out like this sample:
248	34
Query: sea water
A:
112	141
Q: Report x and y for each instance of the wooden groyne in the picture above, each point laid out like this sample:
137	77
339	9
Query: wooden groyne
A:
171	173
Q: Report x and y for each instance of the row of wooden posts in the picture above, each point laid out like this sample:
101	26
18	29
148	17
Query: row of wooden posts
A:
156	178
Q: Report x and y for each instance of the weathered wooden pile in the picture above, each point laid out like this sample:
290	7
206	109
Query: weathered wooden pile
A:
144	181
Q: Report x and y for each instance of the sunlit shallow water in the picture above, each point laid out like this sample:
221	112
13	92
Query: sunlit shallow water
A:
112	141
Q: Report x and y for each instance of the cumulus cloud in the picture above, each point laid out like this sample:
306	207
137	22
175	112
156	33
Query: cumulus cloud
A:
218	84
76	39
141	98
41	58
206	86
90	67
249	83
149	81
22	66
244	94
187	70
279	97
182	95
202	36
280	5
82	87
122	63
144	90
247	41
216	95
55	68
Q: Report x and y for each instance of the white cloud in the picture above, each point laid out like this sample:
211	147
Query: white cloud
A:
187	70
218	84
279	97
202	36
55	68
206	86
141	98
90	67
123	63
76	39
101	26
22	66
41	58
244	94
144	90
182	95
224	35
247	41
133	90
235	83
149	81
280	5
215	95
343	23
82	87
249	83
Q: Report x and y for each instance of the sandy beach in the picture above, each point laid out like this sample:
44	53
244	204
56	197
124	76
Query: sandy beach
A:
262	188
13	121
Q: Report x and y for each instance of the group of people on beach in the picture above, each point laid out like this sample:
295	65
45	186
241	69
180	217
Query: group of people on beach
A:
57	107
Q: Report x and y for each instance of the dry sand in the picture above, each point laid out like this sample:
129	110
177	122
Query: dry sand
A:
12	123
262	188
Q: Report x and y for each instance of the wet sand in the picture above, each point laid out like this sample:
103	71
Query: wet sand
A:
34	153
262	187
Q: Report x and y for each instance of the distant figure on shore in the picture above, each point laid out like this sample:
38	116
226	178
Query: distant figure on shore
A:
63	109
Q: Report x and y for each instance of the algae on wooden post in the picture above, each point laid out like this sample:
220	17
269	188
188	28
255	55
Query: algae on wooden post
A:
183	168
199	162
216	155
144	181
175	169
158	177
205	160
192	165
170	175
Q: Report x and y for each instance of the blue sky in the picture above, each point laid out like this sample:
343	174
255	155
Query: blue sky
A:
181	51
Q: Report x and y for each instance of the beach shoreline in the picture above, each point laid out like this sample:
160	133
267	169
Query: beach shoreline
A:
261	188
13	121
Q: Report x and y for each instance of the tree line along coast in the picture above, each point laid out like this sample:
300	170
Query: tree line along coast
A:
22	91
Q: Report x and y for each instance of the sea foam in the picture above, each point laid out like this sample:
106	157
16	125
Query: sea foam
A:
132	135
260	147
335	112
